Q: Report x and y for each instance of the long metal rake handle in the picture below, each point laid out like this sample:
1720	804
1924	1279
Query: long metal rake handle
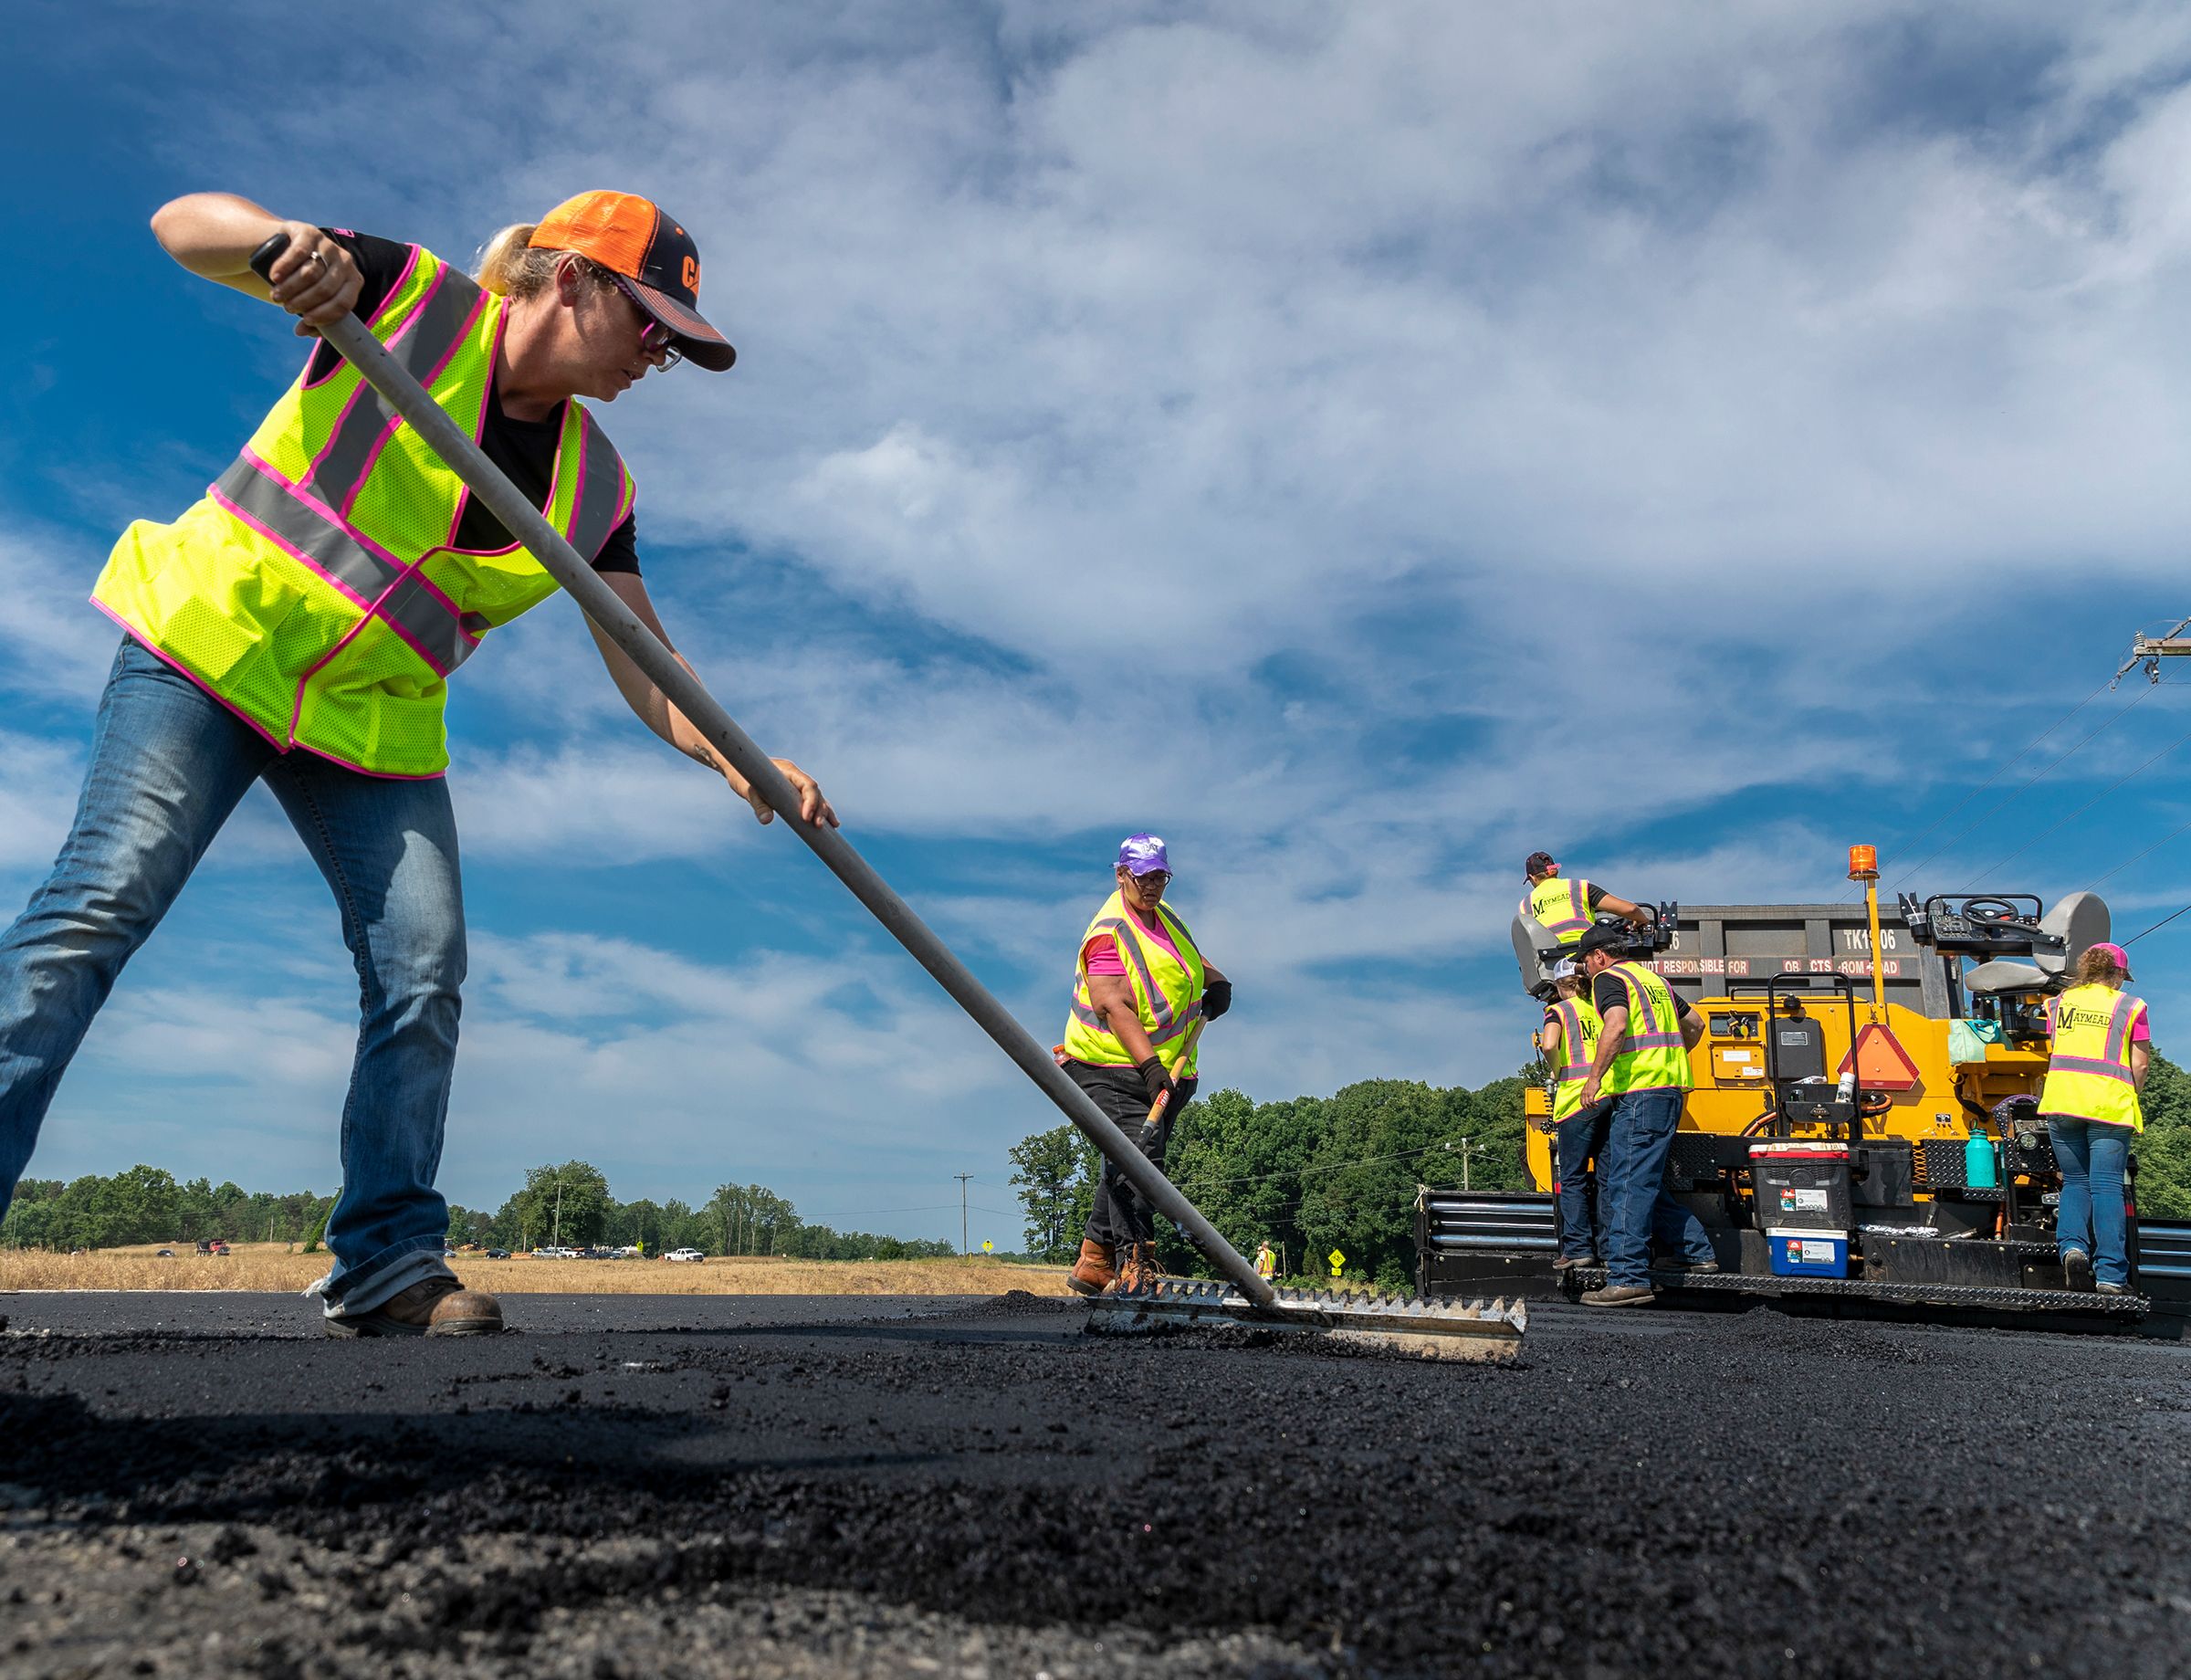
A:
598	602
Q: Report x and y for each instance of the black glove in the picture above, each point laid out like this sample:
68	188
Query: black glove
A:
1153	1077
1217	998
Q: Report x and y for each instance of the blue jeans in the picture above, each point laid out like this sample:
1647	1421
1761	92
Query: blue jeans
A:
1581	1140
1633	1203
2093	1156
168	764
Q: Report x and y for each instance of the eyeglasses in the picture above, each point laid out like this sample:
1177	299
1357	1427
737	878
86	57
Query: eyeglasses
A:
654	338
1156	880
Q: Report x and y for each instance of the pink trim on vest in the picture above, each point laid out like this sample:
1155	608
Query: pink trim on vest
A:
138	636
411	320
378	776
372	456
394	292
213	493
494	357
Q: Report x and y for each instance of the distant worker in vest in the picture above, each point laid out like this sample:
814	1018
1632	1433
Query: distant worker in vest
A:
298	626
1267	1262
1642	1064
1566	907
1568	1040
2101	1048
1139	985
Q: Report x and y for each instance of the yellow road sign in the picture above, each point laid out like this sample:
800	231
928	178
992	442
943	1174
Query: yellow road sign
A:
1337	1260
988	1247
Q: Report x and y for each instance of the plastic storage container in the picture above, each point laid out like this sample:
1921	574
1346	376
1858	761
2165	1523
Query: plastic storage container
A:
1809	1253
1801	1187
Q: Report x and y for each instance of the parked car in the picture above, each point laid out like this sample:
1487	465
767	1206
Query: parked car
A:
684	1253
498	1254
165	1254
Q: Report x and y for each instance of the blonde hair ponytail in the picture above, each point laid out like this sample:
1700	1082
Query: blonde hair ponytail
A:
509	264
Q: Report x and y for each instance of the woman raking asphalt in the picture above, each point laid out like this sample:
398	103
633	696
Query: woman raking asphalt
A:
299	626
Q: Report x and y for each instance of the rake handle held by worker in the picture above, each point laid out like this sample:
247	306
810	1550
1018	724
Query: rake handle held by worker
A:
1163	1101
357	345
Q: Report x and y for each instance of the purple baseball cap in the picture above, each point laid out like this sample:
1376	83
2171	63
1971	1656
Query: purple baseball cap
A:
2118	956
1143	854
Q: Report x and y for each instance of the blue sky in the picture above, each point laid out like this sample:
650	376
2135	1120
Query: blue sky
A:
1360	444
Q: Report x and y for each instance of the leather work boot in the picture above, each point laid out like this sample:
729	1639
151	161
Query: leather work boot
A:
2077	1268
1618	1295
431	1306
1095	1270
1682	1263
1137	1269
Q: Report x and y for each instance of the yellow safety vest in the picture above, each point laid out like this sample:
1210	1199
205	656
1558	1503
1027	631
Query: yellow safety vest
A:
1579	1026
1168	991
1652	1055
314	590
1267	1264
2088	1075
1562	906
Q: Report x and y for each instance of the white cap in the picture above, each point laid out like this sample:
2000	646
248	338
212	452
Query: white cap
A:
1563	969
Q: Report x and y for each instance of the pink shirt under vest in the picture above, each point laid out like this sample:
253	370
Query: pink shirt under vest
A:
1101	952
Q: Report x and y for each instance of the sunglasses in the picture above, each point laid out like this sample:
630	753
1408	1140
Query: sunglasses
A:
654	338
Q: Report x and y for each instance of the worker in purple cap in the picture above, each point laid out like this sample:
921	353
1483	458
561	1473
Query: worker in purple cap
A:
1140	984
2100	1049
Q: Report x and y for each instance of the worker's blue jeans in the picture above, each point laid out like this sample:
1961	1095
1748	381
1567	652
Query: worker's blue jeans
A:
2093	1156
1581	1139
168	764
1633	1203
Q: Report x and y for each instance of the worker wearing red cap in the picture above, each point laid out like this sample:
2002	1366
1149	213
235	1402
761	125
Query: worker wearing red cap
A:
1566	908
2102	1047
1140	985
299	626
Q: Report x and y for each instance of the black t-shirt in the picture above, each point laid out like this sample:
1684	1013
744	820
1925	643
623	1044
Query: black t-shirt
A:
1608	992
523	449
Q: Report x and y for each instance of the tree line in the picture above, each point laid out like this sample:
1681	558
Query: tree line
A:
1311	1174
569	1204
1307	1175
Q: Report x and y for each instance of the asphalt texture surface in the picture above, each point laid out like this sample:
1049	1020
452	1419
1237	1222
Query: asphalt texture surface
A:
637	1486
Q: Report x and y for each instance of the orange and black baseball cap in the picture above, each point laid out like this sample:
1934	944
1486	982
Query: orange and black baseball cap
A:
635	237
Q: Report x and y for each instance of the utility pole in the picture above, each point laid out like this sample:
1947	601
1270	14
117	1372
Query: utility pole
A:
555	1239
963	1177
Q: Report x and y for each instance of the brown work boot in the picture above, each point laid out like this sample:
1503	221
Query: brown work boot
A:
431	1306
1617	1295
1095	1270
1137	1271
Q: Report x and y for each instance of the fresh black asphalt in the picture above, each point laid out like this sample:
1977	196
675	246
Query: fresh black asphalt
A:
852	1486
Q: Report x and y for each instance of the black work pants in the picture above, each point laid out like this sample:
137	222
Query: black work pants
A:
1121	1213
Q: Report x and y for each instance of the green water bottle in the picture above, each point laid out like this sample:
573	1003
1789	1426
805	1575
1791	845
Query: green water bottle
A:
1980	1171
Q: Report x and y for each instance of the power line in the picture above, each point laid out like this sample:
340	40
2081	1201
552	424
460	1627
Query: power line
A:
2026	786
2134	858
2156	927
1999	774
2088	805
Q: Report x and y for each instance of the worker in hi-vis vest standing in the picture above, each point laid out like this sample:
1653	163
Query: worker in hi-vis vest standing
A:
298	624
2102	1047
1139	985
1642	1064
1267	1262
1568	908
1568	1040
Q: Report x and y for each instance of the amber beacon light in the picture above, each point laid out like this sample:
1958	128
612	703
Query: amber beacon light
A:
1864	863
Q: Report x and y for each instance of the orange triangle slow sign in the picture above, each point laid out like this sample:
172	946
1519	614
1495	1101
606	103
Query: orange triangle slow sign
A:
1882	1064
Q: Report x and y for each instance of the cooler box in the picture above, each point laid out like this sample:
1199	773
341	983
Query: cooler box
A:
1809	1253
1801	1187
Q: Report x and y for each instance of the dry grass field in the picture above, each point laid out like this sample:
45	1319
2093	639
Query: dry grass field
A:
274	1265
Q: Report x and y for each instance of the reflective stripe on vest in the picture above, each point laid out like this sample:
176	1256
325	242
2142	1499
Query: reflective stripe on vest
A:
1654	1058
1168	992
1562	907
2089	1077
1580	1027
316	589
